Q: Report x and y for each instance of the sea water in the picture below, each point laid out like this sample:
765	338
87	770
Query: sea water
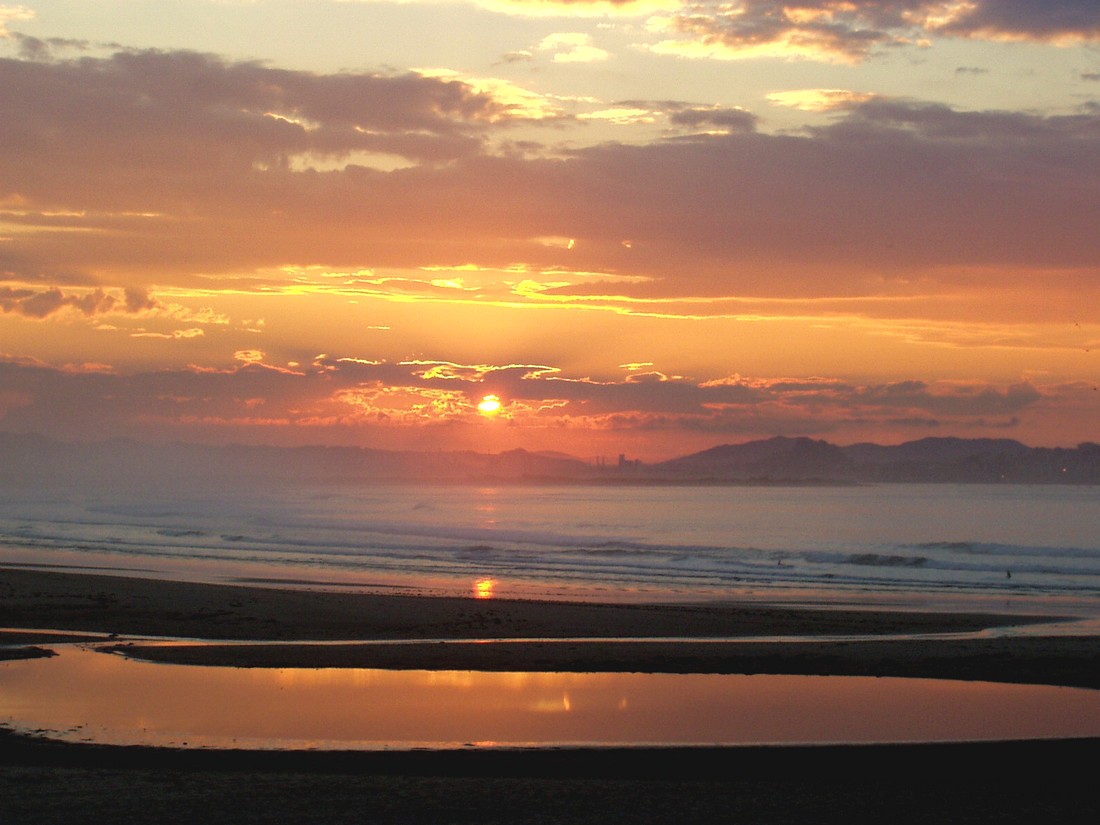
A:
1001	546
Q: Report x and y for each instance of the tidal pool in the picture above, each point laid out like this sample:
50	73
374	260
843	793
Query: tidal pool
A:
86	695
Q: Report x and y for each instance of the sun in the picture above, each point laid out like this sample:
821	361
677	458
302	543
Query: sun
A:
489	406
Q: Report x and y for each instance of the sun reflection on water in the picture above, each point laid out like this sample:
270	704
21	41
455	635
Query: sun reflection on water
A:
483	588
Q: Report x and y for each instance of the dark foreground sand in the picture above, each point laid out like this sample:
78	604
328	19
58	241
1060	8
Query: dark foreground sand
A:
1005	782
1024	782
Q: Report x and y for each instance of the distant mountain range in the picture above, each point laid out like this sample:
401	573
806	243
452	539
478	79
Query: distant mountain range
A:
929	460
27	458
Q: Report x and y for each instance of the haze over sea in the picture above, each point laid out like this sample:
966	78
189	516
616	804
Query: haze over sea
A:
950	546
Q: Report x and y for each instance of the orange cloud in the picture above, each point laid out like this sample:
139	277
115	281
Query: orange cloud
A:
819	100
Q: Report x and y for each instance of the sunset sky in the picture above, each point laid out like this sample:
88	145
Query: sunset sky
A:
646	227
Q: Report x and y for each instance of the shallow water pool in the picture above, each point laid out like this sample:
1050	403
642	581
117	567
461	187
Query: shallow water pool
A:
85	695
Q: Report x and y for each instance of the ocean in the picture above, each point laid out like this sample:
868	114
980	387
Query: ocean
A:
1003	547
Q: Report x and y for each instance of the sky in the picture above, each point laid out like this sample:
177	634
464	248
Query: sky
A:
642	227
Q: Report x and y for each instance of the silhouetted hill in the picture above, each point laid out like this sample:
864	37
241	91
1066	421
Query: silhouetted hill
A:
779	457
927	460
933	450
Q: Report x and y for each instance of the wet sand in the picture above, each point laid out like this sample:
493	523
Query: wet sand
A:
1002	782
130	606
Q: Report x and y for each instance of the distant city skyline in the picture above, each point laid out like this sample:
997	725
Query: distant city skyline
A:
605	228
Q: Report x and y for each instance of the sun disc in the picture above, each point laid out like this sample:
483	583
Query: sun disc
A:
490	405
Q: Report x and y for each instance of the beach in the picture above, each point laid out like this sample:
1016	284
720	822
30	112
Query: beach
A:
44	601
45	781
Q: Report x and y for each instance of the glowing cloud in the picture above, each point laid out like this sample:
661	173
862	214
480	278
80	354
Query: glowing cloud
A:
511	102
578	8
572	47
10	14
819	100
